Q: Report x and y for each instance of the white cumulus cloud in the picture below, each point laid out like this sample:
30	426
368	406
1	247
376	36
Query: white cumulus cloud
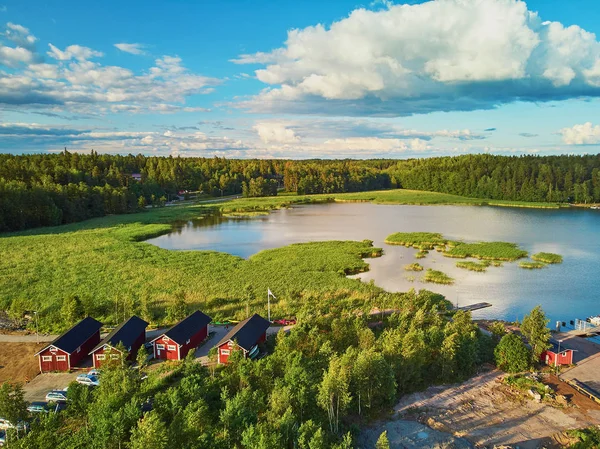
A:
586	134
439	55
275	133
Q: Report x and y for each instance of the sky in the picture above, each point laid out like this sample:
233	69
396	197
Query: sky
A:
297	80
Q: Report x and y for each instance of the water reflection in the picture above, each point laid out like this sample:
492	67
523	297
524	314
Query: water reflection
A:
565	291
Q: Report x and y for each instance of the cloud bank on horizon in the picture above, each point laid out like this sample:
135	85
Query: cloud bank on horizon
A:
371	84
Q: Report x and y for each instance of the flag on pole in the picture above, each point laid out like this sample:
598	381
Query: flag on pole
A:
269	294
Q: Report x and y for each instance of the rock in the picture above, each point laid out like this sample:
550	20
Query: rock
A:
535	395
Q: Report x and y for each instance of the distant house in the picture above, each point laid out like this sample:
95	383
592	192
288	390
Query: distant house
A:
552	357
71	347
186	335
136	176
131	334
246	336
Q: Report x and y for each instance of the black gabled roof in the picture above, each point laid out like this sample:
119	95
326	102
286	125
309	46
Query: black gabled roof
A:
247	332
188	327
76	336
126	333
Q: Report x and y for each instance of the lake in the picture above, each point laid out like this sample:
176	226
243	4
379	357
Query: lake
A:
566	291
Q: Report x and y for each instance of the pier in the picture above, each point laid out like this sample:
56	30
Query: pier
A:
473	307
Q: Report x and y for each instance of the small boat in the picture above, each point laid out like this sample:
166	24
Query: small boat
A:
595	207
595	320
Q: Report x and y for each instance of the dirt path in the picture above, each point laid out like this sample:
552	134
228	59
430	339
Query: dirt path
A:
485	412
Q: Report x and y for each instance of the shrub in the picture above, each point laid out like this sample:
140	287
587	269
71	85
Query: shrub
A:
511	354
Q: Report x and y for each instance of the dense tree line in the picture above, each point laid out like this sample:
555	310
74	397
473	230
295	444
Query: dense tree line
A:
525	178
328	375
44	190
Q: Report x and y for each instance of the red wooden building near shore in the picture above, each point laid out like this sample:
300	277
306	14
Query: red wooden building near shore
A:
246	336
70	348
186	335
553	358
130	333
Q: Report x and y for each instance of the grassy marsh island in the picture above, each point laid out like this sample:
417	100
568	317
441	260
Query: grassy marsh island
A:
437	277
414	267
474	266
422	254
547	258
532	265
487	251
419	240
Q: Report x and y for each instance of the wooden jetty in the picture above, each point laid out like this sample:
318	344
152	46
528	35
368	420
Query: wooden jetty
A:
473	307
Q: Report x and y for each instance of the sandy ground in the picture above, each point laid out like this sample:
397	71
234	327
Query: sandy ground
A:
485	412
17	361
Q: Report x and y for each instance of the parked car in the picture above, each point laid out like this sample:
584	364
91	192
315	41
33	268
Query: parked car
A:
6	424
38	407
56	396
86	379
285	321
94	372
2	437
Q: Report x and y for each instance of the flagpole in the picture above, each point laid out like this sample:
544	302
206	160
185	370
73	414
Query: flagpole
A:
269	303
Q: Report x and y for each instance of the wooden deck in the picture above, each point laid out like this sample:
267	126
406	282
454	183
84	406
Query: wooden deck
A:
473	307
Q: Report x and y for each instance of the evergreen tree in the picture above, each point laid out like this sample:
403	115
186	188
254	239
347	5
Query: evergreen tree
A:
534	328
382	441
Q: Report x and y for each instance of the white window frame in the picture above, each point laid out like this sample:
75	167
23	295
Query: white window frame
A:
225	352
160	347
172	348
46	358
114	356
100	357
61	358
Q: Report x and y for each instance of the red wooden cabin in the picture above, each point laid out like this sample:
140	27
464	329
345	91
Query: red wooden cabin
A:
186	335
71	347
553	358
131	334
246	337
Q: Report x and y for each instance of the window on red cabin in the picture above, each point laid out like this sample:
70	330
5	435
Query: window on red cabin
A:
160	346
61	358
171	348
46	358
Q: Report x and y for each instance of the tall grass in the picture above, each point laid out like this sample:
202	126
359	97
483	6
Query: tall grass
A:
414	267
474	266
547	258
487	250
532	265
421	240
437	277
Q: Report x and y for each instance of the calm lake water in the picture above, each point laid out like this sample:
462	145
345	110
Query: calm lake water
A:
566	291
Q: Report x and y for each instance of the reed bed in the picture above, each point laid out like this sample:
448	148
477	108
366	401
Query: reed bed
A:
437	277
480	267
547	258
532	265
414	267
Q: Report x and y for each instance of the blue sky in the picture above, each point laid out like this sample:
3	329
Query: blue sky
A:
300	79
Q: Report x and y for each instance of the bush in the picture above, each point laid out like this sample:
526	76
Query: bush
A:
511	354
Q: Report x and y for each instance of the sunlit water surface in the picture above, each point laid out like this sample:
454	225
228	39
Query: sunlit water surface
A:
566	291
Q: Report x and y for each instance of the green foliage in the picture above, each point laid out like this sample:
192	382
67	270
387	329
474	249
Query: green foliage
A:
437	277
71	310
413	267
497	329
534	328
512	356
149	433
13	406
422	240
474	266
382	441
589	438
486	250
532	265
547	257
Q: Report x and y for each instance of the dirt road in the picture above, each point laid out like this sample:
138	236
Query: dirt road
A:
483	411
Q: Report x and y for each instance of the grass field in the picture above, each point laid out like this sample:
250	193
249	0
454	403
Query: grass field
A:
106	263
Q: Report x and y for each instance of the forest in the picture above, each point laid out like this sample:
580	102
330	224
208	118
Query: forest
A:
53	189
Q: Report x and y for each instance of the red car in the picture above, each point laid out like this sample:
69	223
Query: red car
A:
285	321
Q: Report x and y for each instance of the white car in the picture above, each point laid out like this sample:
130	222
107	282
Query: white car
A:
6	424
56	396
94	372
86	379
